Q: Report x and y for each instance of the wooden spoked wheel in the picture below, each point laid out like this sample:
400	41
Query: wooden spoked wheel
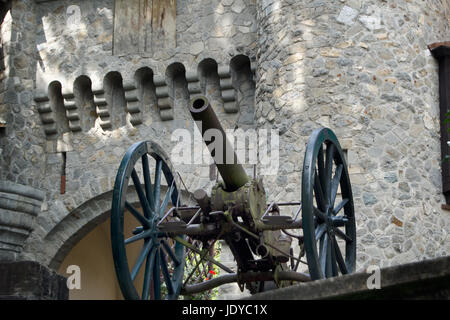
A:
327	208
160	260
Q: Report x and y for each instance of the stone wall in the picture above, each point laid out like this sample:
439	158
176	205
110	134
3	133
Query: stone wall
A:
135	97
22	156
363	69
95	101
21	141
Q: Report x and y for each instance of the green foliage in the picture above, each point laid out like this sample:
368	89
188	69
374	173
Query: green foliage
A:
447	120
200	276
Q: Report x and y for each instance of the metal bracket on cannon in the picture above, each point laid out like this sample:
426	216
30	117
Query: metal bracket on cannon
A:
275	220
175	225
171	226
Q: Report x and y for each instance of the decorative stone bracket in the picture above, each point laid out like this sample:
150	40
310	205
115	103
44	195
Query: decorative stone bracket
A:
19	205
60	112
132	100
165	102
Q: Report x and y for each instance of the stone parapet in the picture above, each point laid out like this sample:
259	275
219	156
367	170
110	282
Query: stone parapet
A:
428	279
29	280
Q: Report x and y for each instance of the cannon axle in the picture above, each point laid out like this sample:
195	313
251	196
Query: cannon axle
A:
246	278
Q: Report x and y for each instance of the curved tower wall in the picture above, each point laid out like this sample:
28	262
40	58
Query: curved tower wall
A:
363	69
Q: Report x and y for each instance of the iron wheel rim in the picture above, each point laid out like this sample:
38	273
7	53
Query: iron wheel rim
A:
322	221
154	255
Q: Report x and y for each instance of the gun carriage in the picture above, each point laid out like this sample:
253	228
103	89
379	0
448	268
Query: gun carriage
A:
269	247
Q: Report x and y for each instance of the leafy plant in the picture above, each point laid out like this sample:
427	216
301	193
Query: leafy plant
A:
200	275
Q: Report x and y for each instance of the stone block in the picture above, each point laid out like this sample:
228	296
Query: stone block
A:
29	280
429	279
347	15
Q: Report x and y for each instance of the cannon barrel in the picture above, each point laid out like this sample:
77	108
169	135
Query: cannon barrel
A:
232	173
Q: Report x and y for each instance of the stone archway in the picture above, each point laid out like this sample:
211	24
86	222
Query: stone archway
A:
75	226
82	238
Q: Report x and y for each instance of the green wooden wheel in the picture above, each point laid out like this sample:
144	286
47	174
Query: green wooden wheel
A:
161	259
328	216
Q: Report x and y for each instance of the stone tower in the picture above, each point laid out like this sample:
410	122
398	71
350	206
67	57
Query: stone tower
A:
363	69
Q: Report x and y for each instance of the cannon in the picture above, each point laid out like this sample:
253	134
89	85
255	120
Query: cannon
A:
173	243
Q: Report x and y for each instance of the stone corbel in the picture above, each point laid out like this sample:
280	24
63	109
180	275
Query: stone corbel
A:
47	114
227	90
132	100
165	102
101	107
193	83
72	112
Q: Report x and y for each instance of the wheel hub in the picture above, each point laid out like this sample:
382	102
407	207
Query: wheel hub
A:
329	219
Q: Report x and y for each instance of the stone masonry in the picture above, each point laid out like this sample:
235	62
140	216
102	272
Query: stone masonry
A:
74	96
363	69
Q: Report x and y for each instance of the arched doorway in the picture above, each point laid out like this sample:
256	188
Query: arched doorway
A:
93	256
83	239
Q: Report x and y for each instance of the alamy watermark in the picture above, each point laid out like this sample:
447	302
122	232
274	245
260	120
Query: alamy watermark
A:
374	280
74	280
252	147
73	14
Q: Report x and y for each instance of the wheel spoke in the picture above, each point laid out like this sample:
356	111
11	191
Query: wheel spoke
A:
320	231
139	236
340	206
170	253
148	274
165	272
142	199
335	184
166	198
339	258
140	260
342	235
144	221
157	184
339	221
321	167
147	181
323	254
334	267
328	262
291	252
319	193
328	172
157	276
